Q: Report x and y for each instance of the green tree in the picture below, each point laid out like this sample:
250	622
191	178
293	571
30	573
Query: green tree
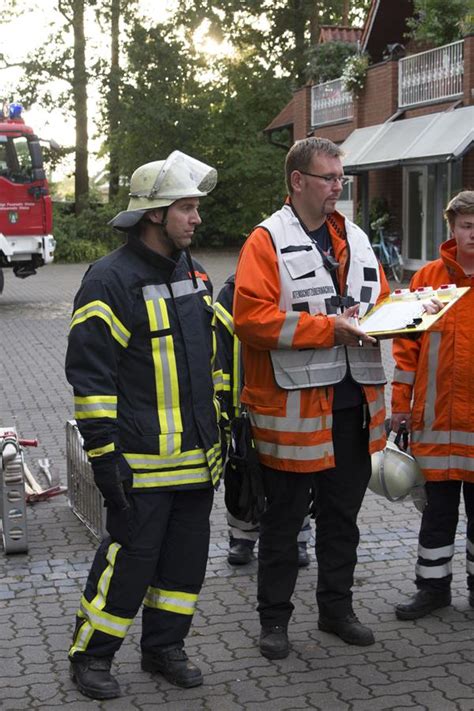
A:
439	22
282	30
326	61
172	97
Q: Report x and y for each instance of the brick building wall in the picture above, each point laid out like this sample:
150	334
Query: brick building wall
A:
379	98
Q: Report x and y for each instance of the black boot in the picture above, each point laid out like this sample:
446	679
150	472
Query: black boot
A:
93	678
240	551
303	557
348	628
174	665
274	642
422	603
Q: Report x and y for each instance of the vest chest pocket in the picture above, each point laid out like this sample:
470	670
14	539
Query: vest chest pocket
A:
301	264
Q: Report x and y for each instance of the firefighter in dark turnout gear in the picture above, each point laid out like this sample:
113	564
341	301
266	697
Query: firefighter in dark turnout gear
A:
242	535
141	361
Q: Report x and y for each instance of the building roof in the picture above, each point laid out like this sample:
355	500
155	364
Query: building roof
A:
386	23
330	33
285	118
431	138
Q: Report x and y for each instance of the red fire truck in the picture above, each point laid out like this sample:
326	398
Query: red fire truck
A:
26	242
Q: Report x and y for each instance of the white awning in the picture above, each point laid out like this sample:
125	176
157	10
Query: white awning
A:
432	138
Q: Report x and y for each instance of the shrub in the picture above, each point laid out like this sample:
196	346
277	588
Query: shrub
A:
84	238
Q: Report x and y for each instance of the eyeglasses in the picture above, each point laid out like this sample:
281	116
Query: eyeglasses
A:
343	179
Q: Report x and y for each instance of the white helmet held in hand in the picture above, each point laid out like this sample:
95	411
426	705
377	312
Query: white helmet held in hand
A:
162	182
395	474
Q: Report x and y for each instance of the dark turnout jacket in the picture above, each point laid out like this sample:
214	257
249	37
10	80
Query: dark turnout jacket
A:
141	362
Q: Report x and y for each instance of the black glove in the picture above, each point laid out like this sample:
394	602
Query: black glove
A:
113	477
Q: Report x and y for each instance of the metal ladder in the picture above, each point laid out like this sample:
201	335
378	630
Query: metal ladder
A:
12	493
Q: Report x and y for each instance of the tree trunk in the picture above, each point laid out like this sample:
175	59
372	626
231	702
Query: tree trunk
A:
346	6
79	88
113	100
314	23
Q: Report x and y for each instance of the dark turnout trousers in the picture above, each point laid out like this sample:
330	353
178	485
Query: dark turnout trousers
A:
438	531
160	560
338	497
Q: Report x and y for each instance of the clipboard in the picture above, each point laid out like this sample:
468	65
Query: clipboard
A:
402	312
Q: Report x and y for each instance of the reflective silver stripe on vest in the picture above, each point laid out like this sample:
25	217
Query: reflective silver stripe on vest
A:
296	452
432	368
403	376
453	461
377	432
435	553
291	424
288	329
310	368
470	547
366	365
434	571
443	437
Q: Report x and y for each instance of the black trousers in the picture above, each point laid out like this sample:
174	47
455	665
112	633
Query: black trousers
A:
158	557
339	495
438	531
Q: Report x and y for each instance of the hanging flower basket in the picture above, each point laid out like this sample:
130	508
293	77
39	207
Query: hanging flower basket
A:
354	72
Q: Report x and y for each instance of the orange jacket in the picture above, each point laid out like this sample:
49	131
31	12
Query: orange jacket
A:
434	379
292	429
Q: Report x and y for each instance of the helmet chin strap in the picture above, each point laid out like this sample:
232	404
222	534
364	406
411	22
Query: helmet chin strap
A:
164	221
191	267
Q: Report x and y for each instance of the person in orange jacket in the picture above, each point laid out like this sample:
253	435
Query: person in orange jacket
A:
243	535
313	388
433	395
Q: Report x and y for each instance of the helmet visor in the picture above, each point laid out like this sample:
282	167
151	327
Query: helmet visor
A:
183	176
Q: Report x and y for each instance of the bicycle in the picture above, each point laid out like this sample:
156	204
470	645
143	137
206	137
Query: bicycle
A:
387	250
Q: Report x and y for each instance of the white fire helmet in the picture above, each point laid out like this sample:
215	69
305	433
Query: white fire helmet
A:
162	182
396	474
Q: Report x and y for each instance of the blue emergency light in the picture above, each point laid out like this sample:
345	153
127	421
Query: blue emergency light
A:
15	111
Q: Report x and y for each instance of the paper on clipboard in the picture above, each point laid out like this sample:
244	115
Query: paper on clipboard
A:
394	317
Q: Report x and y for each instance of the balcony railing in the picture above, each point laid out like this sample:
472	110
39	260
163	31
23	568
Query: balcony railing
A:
431	76
330	103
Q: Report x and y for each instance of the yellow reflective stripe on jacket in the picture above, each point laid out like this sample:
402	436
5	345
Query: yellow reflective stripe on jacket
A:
208	301
100	451
226	382
168	470
164	461
99	309
171	600
237	375
218	380
166	376
95	406
174	477
224	317
214	459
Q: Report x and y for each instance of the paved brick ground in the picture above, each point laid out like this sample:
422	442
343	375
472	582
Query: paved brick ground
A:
414	665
